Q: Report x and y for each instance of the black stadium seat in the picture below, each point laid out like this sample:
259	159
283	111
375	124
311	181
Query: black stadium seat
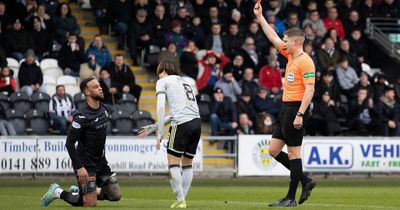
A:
17	119
41	101
123	122
20	101
79	100
4	101
141	118
203	101
128	103
38	121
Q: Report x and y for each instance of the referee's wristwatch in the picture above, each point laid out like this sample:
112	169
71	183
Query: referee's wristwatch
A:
299	114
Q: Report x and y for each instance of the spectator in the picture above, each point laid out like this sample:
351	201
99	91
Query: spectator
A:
215	41
236	18
100	51
397	86
188	60
327	109
292	21
327	55
46	22
258	37
30	75
100	11
332	21
61	109
368	10
264	124
365	84
211	66
90	69
247	83
6	128
71	56
316	23
245	126
230	87
309	49
325	10
328	85
43	39
294	6
252	58
270	75
5	19
105	84
17	41
120	17
201	9
160	25
175	5
7	81
28	12
279	25
140	34
141	5
122	78
389	9
176	36
347	77
358	45
364	115
170	54
51	6
379	87
352	22
213	17
237	67
351	56
387	107
310	34
198	33
65	24
223	114
264	104
234	40
345	7
245	105
185	20
332	33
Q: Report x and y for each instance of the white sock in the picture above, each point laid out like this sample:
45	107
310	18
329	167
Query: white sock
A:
176	182
187	177
57	192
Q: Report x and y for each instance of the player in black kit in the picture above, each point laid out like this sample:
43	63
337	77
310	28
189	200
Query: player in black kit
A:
89	128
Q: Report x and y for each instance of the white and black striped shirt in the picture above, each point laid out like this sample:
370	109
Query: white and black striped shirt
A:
61	106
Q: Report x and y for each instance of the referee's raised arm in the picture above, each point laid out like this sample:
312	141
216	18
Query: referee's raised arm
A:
268	30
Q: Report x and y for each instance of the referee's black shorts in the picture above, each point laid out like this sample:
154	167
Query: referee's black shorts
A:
283	126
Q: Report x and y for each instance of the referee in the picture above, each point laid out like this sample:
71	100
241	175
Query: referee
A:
298	91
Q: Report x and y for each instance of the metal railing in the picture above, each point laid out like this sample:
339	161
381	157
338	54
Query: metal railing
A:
379	30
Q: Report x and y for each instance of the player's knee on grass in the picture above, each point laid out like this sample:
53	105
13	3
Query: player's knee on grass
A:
112	189
90	199
89	193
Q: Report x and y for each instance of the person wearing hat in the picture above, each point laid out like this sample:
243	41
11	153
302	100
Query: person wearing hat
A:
347	77
270	75
17	41
223	114
388	108
229	85
140	33
30	75
210	66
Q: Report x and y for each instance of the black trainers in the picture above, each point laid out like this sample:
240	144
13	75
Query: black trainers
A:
285	202
306	192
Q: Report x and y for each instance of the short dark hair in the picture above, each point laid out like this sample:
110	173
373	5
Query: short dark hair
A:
58	86
169	66
84	83
118	55
294	32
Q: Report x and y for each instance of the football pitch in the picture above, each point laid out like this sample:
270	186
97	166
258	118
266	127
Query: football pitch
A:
217	193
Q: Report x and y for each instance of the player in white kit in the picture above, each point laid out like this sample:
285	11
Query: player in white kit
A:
185	129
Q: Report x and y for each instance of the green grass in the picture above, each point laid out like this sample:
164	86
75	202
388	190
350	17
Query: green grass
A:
243	193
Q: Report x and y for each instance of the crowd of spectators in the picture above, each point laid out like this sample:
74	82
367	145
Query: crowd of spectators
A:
220	45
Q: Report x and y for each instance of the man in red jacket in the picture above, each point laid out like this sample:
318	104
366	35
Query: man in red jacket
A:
332	21
270	76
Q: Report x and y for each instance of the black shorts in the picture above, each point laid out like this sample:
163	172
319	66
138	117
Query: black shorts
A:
283	126
184	138
102	175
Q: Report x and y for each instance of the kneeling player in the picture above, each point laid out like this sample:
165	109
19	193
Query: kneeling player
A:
89	128
184	131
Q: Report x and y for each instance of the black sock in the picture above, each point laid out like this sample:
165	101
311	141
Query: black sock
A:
296	169
283	158
75	200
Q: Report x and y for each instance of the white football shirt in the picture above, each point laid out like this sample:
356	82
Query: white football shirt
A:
180	97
